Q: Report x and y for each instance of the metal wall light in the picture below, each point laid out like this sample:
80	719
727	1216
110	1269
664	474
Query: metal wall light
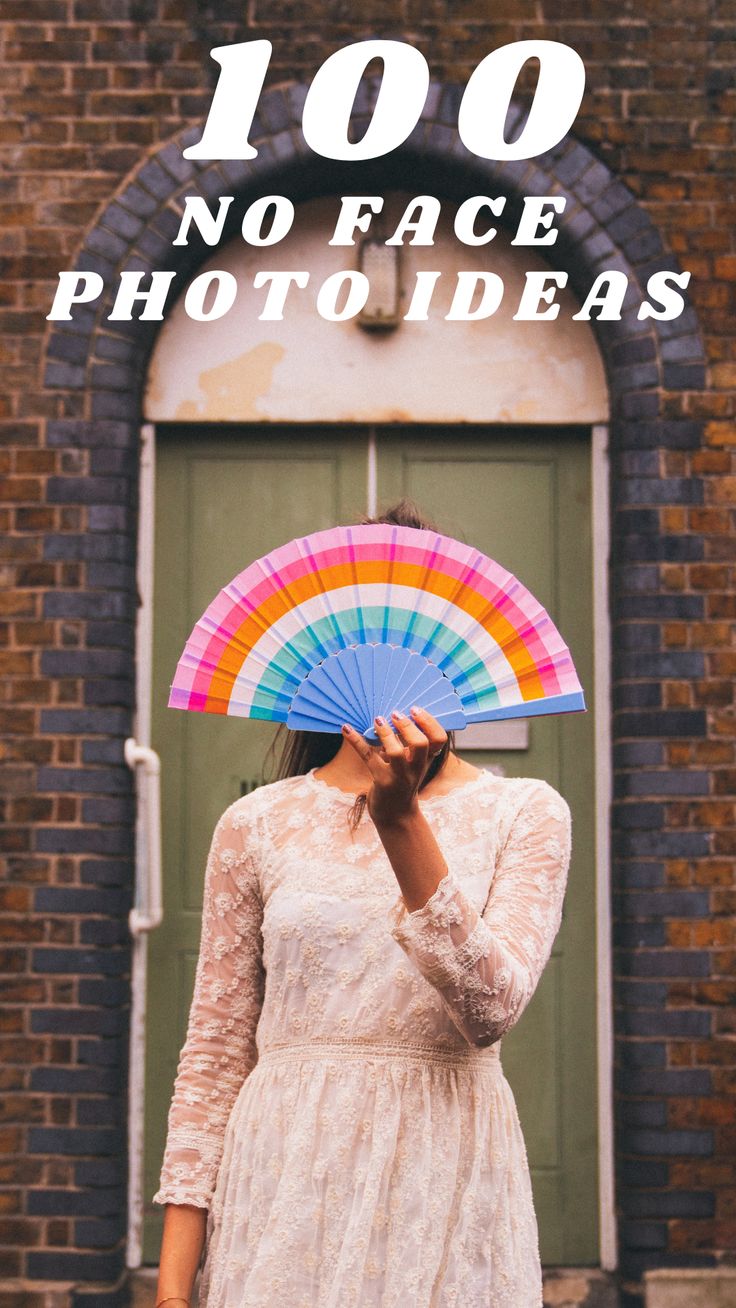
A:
380	263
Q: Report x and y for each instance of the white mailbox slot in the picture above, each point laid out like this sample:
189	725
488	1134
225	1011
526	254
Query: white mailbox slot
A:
509	734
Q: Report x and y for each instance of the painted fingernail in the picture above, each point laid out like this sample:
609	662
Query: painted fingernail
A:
416	709
398	714
381	721
345	729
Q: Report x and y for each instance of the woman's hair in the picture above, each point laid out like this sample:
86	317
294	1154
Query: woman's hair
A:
303	750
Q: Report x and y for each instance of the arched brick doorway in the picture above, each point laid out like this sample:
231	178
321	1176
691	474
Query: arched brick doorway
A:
97	369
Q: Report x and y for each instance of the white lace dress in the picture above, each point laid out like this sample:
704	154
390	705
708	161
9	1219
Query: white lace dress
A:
339	1106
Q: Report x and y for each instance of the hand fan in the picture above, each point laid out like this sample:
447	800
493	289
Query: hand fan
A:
352	622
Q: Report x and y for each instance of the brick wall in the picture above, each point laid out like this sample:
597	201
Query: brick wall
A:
91	87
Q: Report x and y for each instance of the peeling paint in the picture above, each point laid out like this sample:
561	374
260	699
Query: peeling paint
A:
234	387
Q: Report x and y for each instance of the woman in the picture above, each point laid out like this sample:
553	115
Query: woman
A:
341	1134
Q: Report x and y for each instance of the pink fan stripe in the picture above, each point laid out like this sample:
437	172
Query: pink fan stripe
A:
248	600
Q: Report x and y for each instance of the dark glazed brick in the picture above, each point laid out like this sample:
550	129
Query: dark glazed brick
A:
84	781
88	490
65	375
98	932
633	876
98	1233
77	604
672	722
79	899
103	751
94	1297
679	664
74	1080
638	935
674	1203
639	815
664	962
689	608
644	1235
661	490
100	1111
684	376
61	960
637	994
101	1053
75	434
640	1053
99	1173
107	691
108	810
73	1140
695	1144
76	1021
77	840
107	872
637	695
639	1172
83	663
60	1265
643	1112
85	721
666	903
669	549
662	844
664	782
638	753
653	1022
106	991
61	1203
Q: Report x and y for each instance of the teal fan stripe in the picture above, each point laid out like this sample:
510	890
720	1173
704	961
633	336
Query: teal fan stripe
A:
376	624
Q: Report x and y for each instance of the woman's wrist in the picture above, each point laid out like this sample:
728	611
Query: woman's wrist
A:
401	821
176	1299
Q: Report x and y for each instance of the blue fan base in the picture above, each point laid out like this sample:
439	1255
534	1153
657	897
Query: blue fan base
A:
530	708
359	683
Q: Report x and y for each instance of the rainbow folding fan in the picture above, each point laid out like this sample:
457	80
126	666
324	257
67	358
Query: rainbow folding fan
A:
352	622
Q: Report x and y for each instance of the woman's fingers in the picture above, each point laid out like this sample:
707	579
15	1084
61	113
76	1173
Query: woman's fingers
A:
359	743
435	733
391	744
409	732
421	735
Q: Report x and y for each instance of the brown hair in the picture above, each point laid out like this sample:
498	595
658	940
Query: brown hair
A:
304	750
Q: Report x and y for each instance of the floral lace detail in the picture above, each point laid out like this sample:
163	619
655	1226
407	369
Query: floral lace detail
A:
219	1050
487	966
339	1105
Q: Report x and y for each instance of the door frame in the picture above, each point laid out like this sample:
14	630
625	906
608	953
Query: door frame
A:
600	484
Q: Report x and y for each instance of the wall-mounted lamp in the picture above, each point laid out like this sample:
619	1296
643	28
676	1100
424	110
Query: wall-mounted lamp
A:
380	263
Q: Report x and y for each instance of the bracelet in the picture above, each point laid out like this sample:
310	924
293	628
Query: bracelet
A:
173	1298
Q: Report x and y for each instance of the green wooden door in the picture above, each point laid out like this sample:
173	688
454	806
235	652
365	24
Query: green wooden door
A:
524	498
221	501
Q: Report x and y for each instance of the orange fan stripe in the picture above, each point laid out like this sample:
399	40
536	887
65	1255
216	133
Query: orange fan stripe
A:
366	572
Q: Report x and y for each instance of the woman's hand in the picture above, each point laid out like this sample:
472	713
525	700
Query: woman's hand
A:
398	767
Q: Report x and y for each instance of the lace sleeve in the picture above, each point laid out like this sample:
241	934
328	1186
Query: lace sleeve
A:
219	1050
486	966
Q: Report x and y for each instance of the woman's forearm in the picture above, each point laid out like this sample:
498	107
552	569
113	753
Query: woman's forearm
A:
415	857
181	1250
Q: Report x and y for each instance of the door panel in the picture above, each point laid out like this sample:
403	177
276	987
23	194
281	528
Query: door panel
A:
225	496
524	498
221	501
